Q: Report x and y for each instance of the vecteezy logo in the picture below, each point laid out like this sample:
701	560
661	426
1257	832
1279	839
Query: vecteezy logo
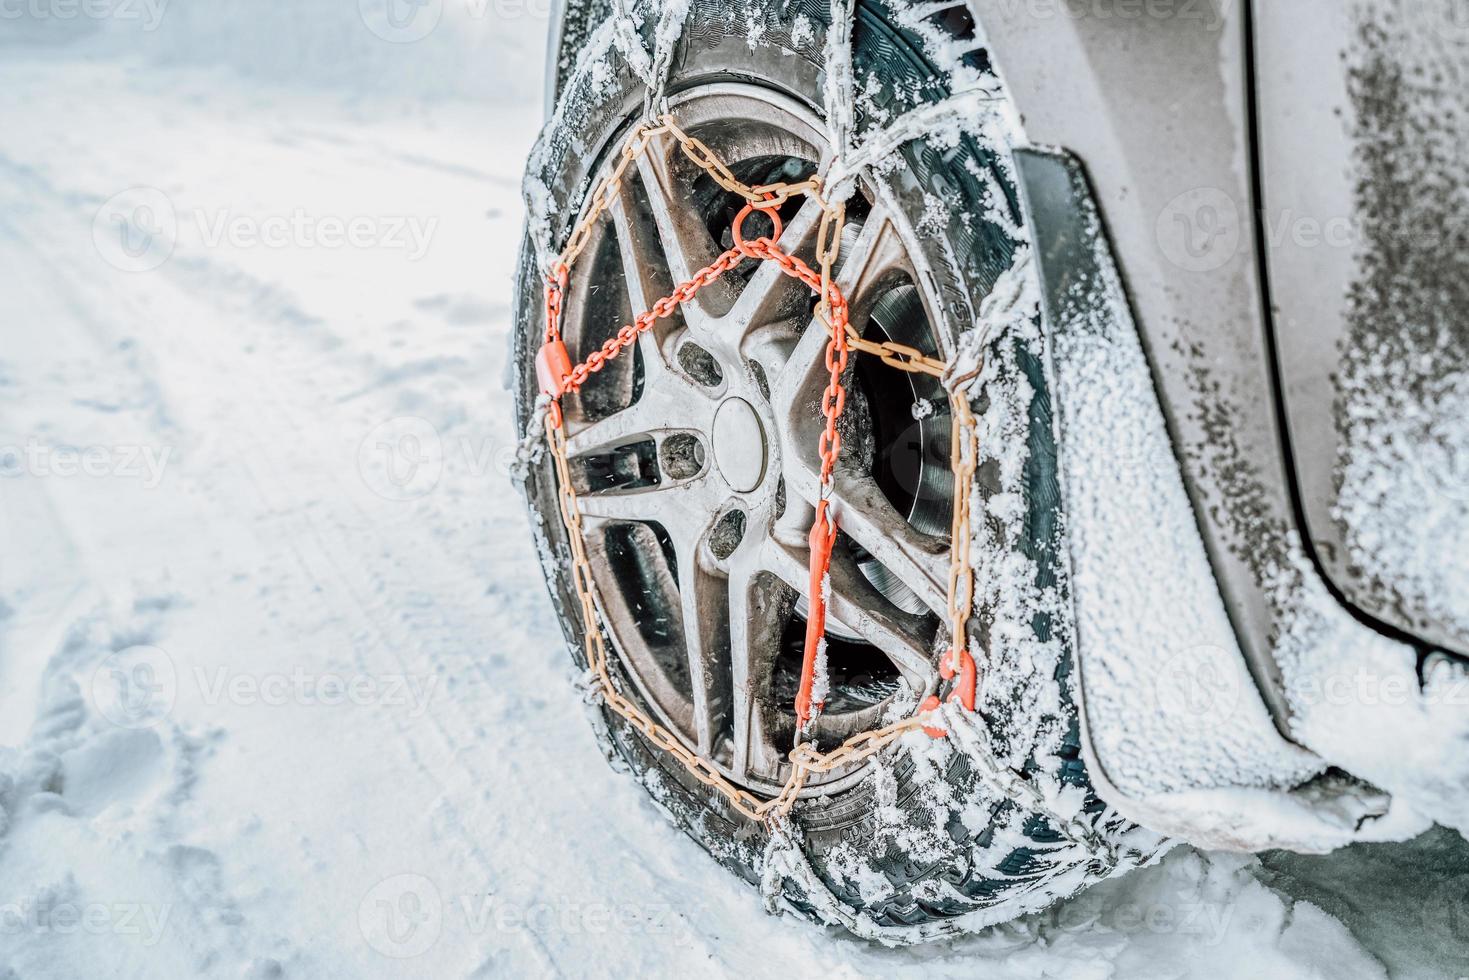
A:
1448	19
401	916
401	21
1199	230
918	460
1443	471
135	687
402	458
1200	687
136	231
1136	453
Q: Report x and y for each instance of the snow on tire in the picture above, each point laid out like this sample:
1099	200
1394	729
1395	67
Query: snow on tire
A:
936	836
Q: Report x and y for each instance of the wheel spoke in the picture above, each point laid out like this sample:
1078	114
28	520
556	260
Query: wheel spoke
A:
671	406
770	292
754	626
796	393
667	504
763	321
795	396
874	258
685	242
920	560
646	276
640	247
856	605
704	600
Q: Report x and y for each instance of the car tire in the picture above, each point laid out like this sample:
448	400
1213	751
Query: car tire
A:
927	842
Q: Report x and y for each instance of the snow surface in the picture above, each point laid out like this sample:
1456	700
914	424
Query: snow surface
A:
280	690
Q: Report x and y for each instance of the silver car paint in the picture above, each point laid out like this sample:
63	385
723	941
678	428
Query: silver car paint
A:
1171	725
1366	227
1155	107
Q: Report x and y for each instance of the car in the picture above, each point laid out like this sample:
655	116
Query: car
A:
1197	269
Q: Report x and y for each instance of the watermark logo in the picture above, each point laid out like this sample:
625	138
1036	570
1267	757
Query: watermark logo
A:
1200	687
1199	230
309	689
135	687
405	458
139	229
482	913
1363	687
1449	19
401	21
141	921
1441	456
405	915
402	916
402	458
1446	911
1202	12
407	21
136	230
301	229
919	452
133	462
1208	924
1138	454
147	12
1443	471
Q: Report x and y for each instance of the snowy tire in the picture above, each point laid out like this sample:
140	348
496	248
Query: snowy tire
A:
927	840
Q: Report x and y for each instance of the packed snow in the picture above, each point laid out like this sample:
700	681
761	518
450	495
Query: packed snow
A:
281	692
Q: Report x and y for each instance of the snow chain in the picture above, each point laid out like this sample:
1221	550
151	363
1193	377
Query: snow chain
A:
557	376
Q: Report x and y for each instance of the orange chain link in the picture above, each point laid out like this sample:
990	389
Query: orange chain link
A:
557	376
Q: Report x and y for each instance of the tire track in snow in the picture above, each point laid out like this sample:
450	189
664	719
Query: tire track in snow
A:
326	563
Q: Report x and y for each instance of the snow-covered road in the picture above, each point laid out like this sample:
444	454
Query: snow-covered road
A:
280	689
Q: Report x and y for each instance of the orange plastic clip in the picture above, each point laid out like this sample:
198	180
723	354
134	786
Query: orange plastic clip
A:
823	536
964	690
553	365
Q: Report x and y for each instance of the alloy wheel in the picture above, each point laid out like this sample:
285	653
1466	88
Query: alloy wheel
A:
695	459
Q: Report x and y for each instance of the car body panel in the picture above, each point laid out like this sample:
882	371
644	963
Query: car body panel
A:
1173	729
1156	109
1366	237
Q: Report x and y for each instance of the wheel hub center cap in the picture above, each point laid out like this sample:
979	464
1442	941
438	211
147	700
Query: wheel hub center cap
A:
739	445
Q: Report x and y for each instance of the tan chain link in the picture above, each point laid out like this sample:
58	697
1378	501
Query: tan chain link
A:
805	758
964	453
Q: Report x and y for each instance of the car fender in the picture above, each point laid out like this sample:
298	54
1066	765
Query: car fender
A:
1143	123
